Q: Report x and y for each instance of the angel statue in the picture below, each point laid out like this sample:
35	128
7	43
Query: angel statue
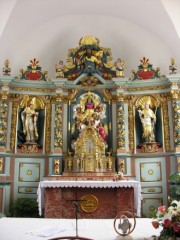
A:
120	66
102	131
59	69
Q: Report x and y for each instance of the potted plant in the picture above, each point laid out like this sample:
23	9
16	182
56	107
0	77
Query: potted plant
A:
25	207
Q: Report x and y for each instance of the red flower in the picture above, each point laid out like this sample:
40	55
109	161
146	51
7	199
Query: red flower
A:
176	227
167	223
155	224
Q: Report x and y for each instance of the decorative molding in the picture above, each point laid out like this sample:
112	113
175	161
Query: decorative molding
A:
56	166
150	172
27	190
152	190
33	89
149	88
29	172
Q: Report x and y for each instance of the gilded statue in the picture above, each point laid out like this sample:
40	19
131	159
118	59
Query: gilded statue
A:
89	59
56	166
90	62
90	111
29	120
148	120
89	136
109	163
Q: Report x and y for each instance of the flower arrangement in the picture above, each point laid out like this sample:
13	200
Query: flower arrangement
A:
169	220
118	176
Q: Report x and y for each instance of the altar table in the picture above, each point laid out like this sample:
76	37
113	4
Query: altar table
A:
97	229
57	197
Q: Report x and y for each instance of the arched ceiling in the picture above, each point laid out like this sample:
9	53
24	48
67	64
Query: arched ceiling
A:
46	29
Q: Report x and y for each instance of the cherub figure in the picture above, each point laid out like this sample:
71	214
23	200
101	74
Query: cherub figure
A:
173	66
59	69
6	69
120	66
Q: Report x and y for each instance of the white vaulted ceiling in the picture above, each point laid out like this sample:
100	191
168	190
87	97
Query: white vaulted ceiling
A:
132	29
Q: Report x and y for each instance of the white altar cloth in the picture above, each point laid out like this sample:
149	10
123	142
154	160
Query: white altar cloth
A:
97	229
91	184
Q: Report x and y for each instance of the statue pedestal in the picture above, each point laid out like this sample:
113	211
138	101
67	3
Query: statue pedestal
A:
149	147
29	148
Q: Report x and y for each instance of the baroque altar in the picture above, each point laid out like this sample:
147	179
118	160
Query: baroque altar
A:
87	124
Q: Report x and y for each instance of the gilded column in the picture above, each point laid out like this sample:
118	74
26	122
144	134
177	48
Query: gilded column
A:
131	123
58	124
47	134
3	119
14	117
176	109
120	123
166	125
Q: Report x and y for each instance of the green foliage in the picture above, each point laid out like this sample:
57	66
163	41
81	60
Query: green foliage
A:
152	214
25	207
174	192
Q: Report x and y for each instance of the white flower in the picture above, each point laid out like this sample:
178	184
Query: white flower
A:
176	202
174	210
120	174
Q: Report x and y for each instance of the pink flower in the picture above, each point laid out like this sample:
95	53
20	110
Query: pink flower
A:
167	223
155	224
176	227
162	209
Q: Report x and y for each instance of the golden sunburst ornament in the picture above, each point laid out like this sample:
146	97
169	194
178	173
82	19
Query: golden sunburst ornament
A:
88	40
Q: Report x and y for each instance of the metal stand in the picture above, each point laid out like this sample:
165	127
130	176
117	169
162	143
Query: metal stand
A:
76	206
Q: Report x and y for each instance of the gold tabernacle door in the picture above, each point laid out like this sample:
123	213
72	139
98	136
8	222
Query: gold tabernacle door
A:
89	154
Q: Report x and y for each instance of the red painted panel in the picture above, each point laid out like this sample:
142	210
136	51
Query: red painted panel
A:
59	202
